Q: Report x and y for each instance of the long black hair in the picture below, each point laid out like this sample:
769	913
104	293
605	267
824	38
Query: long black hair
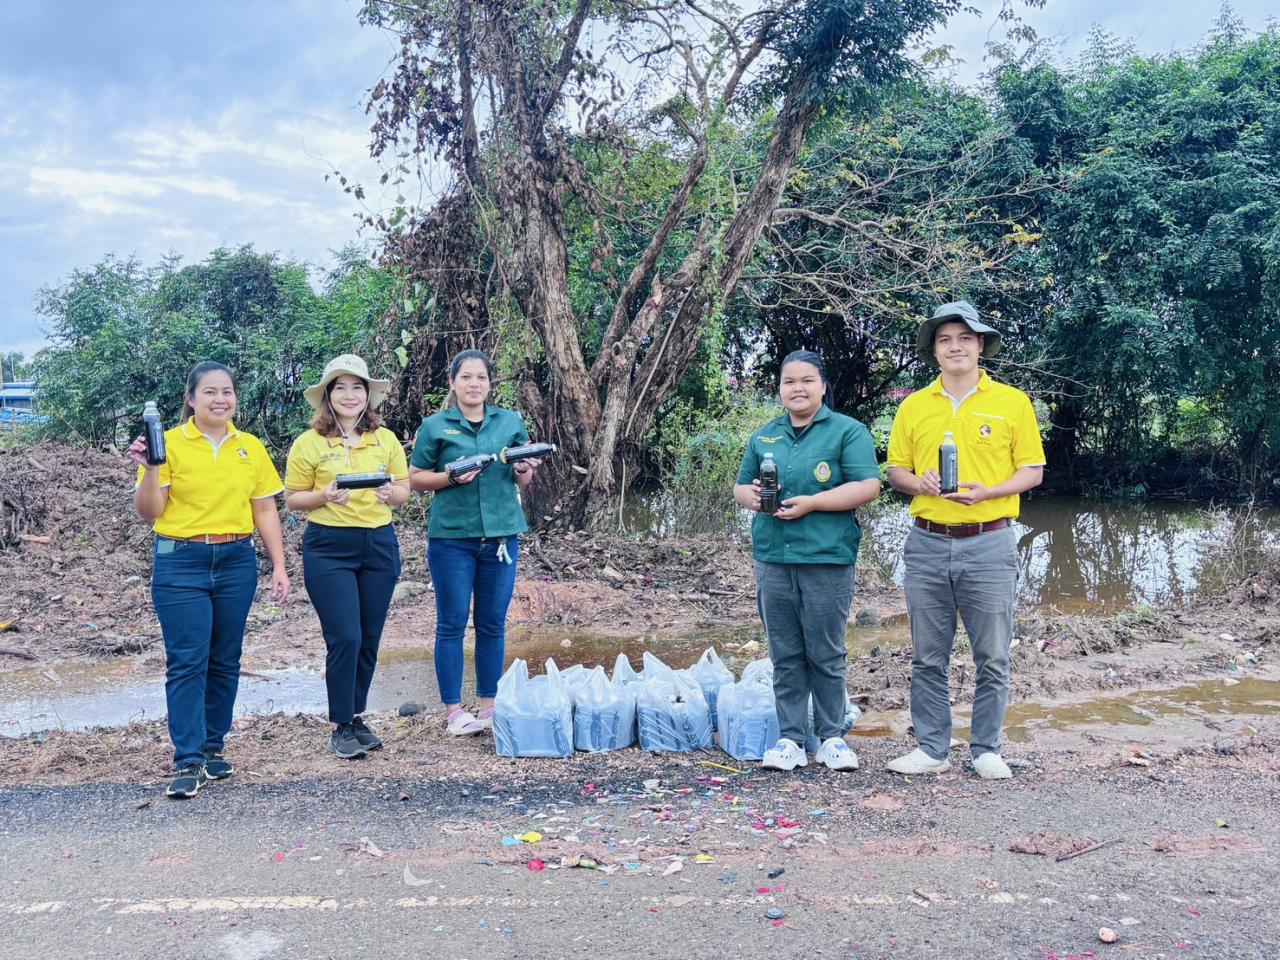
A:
197	374
814	360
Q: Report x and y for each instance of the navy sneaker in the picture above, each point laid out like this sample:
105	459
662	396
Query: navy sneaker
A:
216	766
368	739
187	782
345	744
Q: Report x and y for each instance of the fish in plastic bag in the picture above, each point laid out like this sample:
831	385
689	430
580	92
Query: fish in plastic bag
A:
711	674
532	716
748	714
604	714
671	710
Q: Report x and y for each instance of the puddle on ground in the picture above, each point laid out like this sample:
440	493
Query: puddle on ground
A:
1249	696
116	693
1246	697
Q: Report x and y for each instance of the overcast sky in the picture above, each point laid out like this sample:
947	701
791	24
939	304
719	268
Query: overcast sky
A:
149	126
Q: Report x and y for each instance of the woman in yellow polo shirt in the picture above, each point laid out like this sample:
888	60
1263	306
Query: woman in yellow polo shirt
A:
347	472
216	485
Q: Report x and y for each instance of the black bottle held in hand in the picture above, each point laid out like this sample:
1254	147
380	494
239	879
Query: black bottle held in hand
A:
949	464
153	432
768	485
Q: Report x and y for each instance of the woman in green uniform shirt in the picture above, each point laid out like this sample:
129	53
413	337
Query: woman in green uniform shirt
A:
805	554
350	555
471	538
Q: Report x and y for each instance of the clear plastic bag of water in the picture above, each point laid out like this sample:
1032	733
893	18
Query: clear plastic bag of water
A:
711	674
604	714
532	716
671	710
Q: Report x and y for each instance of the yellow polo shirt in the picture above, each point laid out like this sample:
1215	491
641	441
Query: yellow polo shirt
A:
995	431
314	461
211	487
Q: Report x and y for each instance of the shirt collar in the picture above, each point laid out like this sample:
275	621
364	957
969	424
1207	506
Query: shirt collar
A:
368	438
192	432
454	413
785	420
984	383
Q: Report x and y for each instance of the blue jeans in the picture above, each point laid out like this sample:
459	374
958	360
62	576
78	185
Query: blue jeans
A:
350	573
464	570
202	594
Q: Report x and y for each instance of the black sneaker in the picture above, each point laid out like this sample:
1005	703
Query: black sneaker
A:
216	766
345	744
187	782
368	739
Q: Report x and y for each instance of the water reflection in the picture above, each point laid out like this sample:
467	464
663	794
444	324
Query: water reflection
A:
1079	554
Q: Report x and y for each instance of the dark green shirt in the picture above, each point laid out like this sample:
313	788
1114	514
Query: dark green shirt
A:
833	449
488	506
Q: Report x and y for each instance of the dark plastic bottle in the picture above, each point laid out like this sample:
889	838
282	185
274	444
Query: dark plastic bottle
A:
768	485
949	464
153	431
527	452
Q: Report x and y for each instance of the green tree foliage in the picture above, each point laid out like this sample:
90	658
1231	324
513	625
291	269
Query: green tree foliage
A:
123	334
1161	256
925	201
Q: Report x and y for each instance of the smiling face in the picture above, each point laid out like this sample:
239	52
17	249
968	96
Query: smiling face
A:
349	397
471	383
957	348
801	389
213	401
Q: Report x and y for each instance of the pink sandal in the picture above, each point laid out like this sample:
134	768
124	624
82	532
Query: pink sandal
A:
462	724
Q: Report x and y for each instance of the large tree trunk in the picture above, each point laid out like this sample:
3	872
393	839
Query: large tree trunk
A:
688	301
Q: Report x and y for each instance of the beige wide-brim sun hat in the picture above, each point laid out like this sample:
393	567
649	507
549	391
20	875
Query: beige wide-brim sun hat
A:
347	363
963	311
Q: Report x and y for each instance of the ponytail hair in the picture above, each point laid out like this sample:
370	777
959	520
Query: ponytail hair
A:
197	374
814	360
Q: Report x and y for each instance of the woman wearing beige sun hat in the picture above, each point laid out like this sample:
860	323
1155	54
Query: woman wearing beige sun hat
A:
346	473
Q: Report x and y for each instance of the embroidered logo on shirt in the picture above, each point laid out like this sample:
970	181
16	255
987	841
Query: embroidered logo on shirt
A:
984	433
822	472
244	454
769	439
453	433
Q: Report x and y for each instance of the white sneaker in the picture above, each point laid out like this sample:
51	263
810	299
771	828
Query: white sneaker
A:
991	766
917	761
784	755
835	754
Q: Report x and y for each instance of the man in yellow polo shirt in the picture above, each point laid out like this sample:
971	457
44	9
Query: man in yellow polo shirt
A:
961	552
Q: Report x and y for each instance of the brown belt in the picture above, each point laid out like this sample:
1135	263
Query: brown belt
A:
212	537
962	529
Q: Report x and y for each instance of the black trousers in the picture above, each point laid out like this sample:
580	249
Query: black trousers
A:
350	573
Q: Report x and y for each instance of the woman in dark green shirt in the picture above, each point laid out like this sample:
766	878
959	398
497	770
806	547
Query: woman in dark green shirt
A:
805	554
471	538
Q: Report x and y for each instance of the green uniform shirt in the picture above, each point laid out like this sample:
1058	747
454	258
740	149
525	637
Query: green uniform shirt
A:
488	506
833	449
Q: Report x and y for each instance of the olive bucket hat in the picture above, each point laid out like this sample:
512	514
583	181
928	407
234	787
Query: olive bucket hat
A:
963	311
347	363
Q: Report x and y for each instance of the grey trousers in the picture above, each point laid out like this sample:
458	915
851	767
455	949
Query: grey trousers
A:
805	611
976	577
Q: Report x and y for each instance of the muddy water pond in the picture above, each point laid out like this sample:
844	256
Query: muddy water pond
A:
1079	555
